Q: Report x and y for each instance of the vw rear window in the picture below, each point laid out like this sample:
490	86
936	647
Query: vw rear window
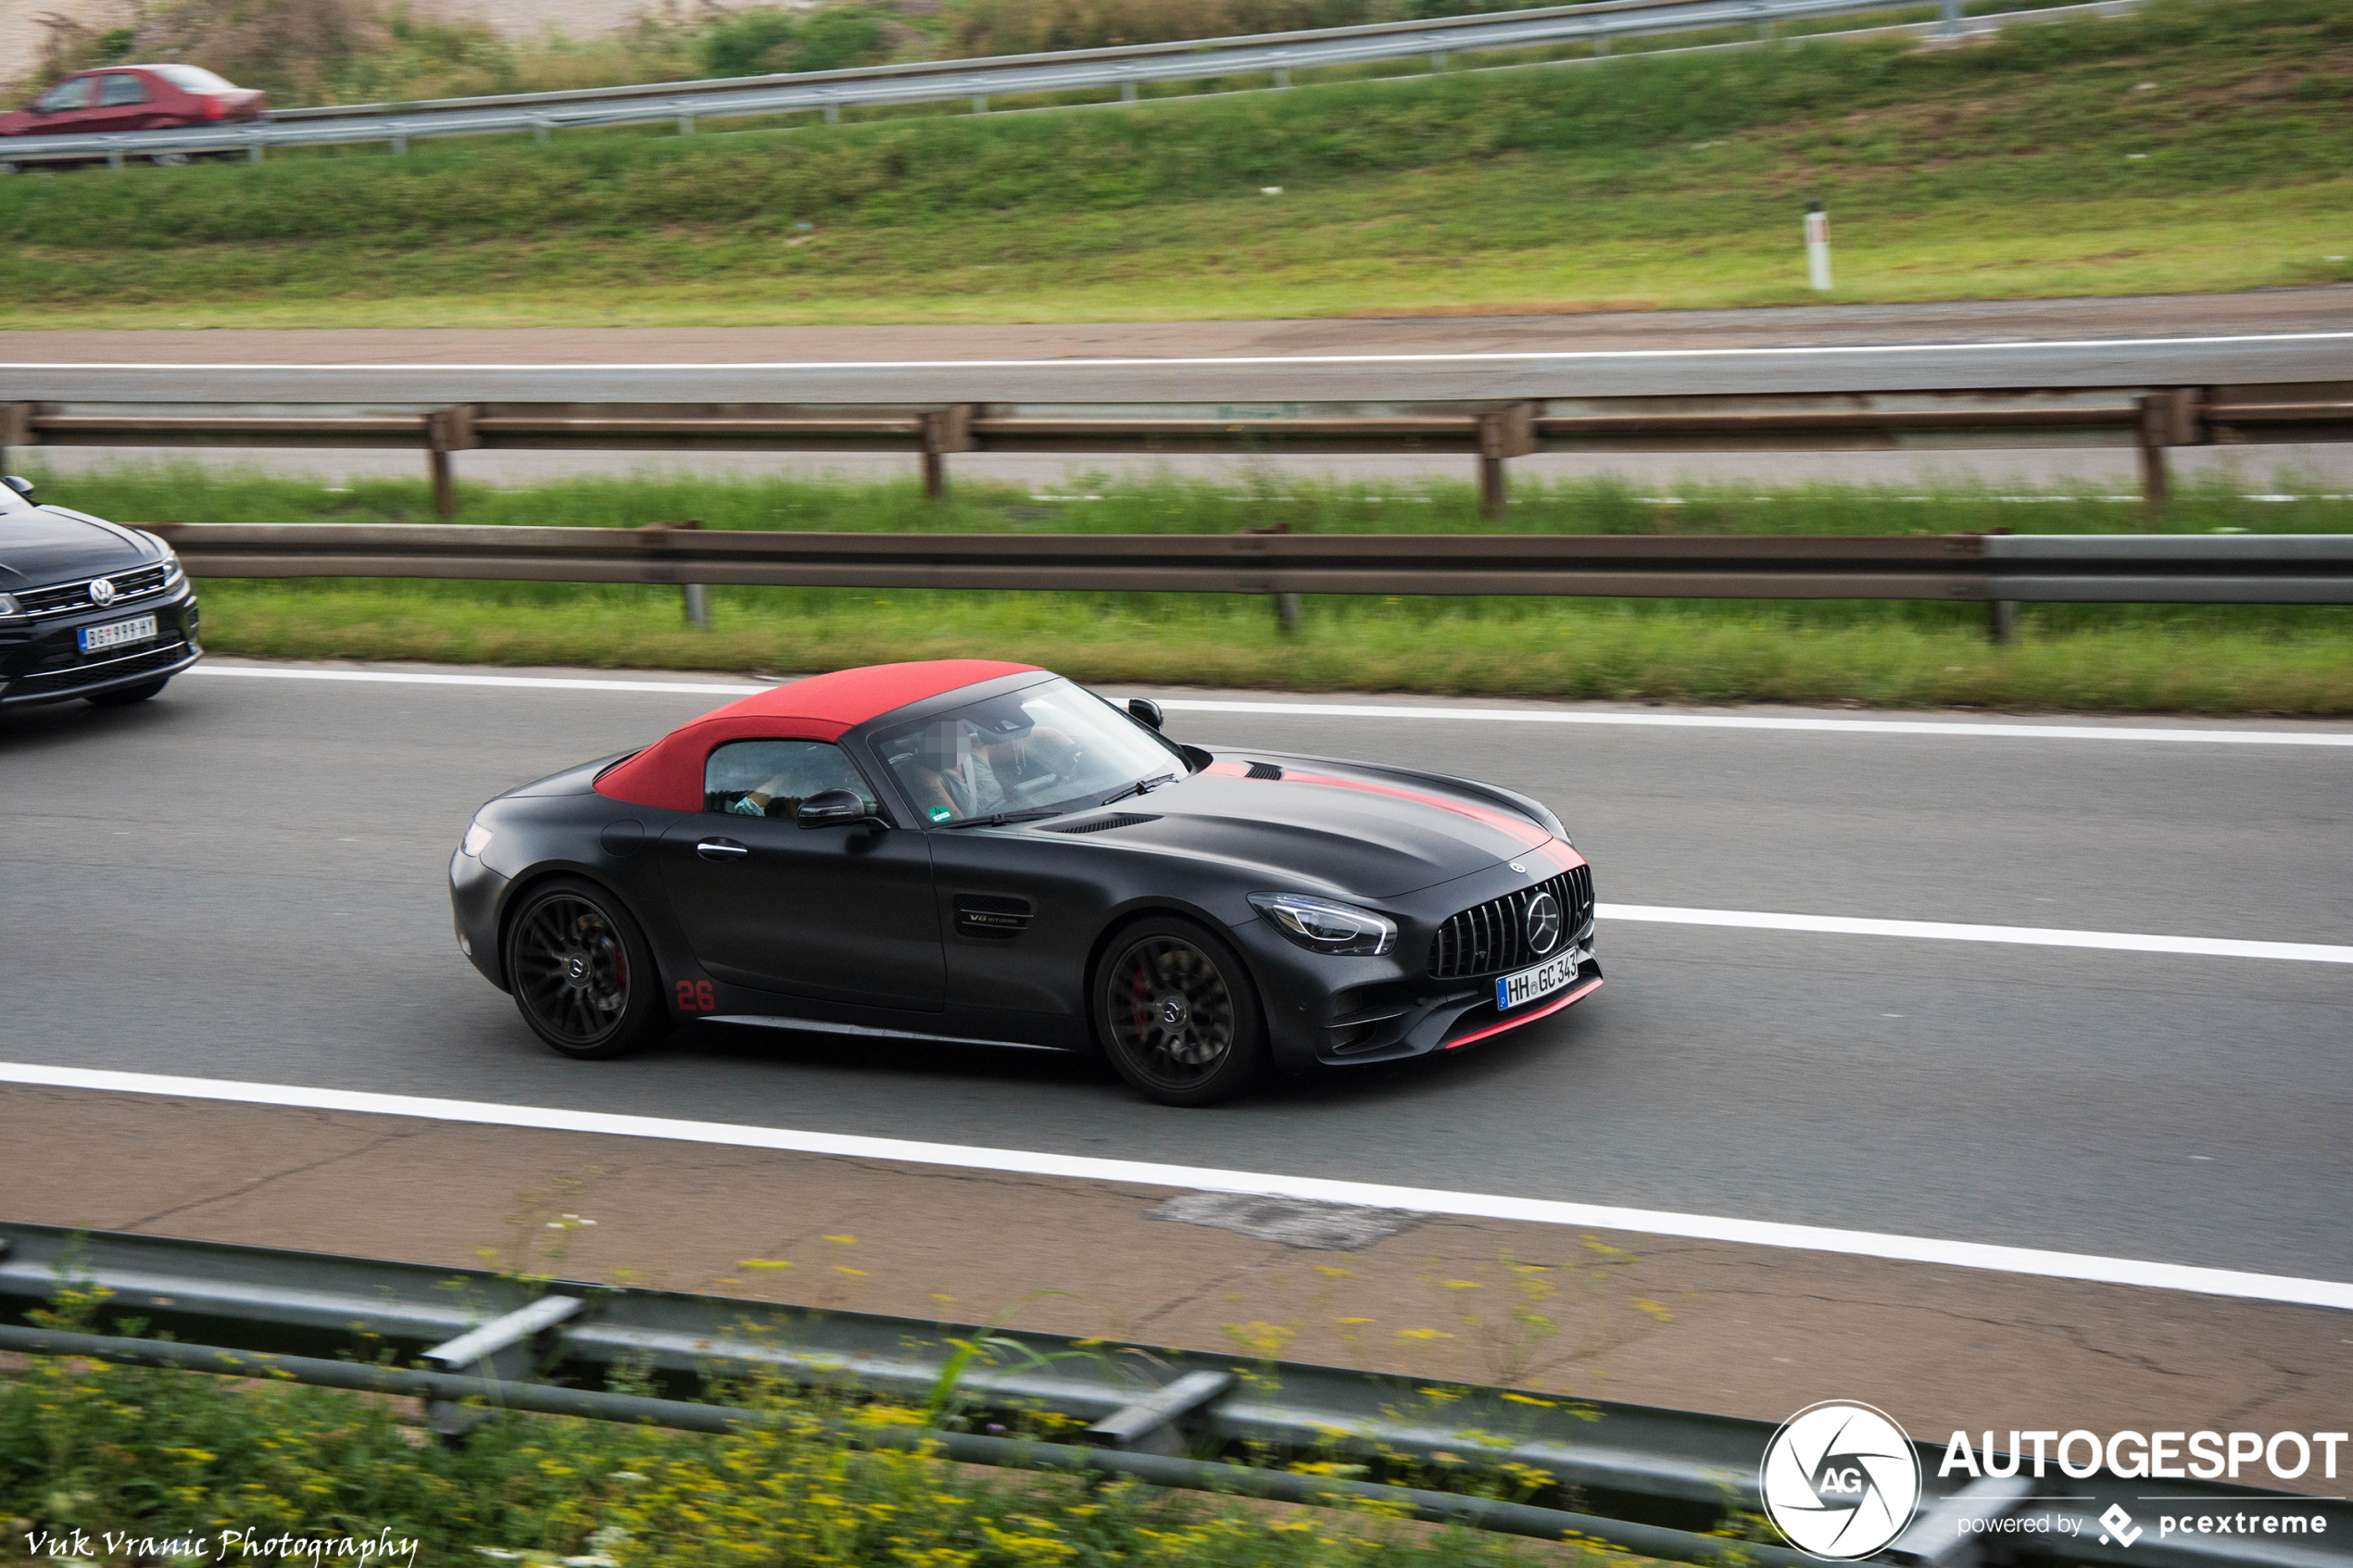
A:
192	78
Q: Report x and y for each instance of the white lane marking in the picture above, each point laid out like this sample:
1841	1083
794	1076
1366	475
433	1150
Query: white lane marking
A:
1706	1227
1726	721
1368	711
1496	356
532	682
1944	931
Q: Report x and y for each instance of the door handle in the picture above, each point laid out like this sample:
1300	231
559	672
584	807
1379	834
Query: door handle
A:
722	849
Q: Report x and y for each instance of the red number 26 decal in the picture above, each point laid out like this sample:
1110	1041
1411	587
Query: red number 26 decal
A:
694	995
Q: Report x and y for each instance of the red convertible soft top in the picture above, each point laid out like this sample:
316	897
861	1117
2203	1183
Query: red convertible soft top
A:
669	773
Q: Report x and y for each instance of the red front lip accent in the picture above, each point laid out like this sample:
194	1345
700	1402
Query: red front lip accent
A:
1578	994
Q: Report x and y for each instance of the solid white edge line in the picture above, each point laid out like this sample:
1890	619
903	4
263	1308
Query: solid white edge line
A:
1704	1227
532	683
1728	722
1129	363
1369	710
1944	931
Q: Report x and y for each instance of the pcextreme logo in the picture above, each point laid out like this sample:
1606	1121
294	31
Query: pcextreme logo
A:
1840	1480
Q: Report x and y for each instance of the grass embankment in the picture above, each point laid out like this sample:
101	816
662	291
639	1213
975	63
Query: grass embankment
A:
172	1460
2188	147
2134	659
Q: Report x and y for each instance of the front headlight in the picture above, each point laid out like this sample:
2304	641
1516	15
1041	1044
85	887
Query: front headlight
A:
1325	926
477	840
173	573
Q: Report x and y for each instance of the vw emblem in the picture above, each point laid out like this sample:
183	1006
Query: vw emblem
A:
1543	922
102	592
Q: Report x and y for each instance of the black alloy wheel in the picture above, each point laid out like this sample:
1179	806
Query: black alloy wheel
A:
128	695
1177	1014
581	973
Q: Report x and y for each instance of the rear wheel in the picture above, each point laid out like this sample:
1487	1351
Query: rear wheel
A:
1177	1014
582	974
126	695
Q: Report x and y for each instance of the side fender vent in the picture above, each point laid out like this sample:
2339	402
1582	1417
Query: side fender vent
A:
1264	770
992	914
1101	824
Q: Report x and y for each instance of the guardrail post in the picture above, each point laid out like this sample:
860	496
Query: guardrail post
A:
945	431
1127	92
1282	78
1950	15
1437	63
1285	604
2168	419
540	132
16	427
1505	432
1601	46
980	104
696	596
447	431
833	114
685	123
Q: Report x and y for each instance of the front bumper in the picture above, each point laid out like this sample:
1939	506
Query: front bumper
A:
42	661
475	894
1323	1010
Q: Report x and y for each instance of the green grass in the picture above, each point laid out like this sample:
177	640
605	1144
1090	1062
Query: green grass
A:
2210	659
2034	165
169	1456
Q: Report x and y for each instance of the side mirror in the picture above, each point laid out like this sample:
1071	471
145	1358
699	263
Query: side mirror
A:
1147	711
21	486
831	809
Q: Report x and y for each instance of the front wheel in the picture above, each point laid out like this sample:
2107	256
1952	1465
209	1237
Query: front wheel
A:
582	974
1177	1014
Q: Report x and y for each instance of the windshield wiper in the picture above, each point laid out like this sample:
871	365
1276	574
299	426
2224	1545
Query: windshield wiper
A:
1001	818
1139	788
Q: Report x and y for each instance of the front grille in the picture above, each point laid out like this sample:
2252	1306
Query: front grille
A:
1491	937
99	670
62	597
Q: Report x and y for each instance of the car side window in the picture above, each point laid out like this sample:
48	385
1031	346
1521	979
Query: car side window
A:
771	778
72	93
122	87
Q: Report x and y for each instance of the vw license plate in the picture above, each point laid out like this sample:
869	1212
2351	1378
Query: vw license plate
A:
114	634
1511	990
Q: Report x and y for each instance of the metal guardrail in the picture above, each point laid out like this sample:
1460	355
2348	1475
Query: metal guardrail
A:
1646	1479
2150	418
2135	569
1126	69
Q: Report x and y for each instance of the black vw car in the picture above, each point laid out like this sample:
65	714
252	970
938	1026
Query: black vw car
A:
986	854
88	609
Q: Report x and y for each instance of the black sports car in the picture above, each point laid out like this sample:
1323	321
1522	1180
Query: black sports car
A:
88	609
986	854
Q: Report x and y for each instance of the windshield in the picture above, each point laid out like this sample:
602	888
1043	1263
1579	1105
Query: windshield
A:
192	78
1053	745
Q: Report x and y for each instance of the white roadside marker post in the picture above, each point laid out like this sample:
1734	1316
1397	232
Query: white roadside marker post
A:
1818	246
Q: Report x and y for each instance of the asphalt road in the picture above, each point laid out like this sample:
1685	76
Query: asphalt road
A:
2277	335
244	879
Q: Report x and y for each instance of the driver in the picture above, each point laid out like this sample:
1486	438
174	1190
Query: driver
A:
968	770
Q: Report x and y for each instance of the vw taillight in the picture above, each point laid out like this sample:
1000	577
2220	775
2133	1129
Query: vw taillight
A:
215	109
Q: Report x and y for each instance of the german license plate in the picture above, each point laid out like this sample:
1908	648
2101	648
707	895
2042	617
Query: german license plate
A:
1511	990
114	634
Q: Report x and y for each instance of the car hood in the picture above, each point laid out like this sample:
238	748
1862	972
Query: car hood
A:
1349	827
51	545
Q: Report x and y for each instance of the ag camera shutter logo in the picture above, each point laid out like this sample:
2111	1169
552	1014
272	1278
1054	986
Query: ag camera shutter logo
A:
1840	1480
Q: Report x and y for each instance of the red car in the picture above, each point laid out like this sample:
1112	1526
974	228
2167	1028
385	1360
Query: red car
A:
135	98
